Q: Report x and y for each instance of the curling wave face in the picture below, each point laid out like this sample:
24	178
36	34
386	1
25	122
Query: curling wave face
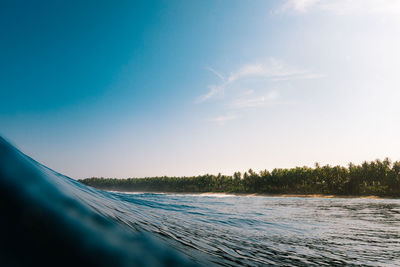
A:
50	218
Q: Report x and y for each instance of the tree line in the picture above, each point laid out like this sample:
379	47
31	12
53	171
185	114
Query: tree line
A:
381	178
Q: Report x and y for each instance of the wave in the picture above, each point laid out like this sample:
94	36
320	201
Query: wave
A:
49	218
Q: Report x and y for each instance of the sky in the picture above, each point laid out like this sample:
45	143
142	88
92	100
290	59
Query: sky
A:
153	88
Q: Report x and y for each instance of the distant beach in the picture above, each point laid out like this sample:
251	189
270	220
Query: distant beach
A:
223	194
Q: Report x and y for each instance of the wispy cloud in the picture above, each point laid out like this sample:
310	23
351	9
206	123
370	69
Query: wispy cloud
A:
302	76
216	73
298	5
255	102
252	86
271	70
224	118
213	90
342	7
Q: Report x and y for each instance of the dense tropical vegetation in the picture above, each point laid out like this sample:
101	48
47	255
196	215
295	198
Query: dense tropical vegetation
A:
381	178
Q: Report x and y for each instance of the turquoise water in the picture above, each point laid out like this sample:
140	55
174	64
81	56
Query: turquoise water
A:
50	218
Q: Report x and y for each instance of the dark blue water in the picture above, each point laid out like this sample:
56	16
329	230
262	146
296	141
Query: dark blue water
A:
48	217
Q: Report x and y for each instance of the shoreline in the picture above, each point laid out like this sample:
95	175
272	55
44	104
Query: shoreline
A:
227	194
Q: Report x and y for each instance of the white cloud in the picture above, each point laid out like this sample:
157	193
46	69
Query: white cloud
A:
246	88
303	76
217	73
213	90
299	5
343	7
271	70
224	118
249	103
255	102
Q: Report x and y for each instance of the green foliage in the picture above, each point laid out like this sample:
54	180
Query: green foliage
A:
378	177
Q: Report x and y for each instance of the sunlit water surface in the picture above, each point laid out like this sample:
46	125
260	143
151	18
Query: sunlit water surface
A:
256	230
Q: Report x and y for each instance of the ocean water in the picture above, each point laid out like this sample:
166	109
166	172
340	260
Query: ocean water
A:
240	230
48	218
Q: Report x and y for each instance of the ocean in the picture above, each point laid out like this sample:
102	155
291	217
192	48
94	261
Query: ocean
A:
48	218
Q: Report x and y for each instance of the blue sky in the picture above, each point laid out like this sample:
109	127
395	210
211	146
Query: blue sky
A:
132	89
